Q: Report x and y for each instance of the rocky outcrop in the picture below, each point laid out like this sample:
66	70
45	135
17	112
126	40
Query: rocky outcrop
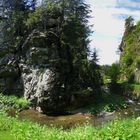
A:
32	72
130	60
44	55
27	73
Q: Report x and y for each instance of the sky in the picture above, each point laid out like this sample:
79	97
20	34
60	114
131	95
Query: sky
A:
108	18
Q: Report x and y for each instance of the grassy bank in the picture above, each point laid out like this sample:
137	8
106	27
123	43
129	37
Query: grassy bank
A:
13	102
13	129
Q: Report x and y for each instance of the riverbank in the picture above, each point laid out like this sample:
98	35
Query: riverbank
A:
27	124
12	128
106	103
105	110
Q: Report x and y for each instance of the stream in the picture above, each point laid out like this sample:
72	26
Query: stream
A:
132	111
68	121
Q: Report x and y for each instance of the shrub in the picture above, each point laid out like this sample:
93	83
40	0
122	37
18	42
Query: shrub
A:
13	101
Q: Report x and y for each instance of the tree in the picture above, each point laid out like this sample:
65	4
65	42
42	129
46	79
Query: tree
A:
114	72
13	33
65	23
94	56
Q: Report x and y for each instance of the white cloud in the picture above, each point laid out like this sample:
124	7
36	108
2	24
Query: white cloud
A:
108	29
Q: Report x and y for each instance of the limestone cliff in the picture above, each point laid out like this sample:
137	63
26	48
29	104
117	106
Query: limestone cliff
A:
130	54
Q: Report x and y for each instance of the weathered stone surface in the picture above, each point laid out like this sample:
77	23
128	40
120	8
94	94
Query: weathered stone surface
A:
29	73
35	69
36	84
34	72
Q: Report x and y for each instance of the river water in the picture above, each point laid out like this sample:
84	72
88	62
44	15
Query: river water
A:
68	121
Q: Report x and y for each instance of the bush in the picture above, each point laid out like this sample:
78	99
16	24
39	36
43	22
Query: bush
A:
109	103
128	60
13	101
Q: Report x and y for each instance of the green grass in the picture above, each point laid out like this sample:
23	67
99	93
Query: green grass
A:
13	129
5	135
13	101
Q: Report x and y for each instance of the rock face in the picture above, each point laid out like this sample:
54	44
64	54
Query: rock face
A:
44	54
130	50
130	60
28	74
36	83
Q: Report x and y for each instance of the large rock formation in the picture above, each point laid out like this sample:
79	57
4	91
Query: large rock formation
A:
130	60
43	55
130	50
31	73
27	73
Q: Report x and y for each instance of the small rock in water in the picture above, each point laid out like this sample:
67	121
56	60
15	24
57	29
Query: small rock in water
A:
39	109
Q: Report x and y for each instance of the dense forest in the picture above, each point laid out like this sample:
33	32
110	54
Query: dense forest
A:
49	75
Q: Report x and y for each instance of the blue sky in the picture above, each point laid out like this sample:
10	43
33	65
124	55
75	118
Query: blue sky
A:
108	19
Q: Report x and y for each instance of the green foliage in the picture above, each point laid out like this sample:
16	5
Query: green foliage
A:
13	101
25	130
128	60
109	103
130	38
136	87
36	18
110	73
105	74
129	89
114	72
138	26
